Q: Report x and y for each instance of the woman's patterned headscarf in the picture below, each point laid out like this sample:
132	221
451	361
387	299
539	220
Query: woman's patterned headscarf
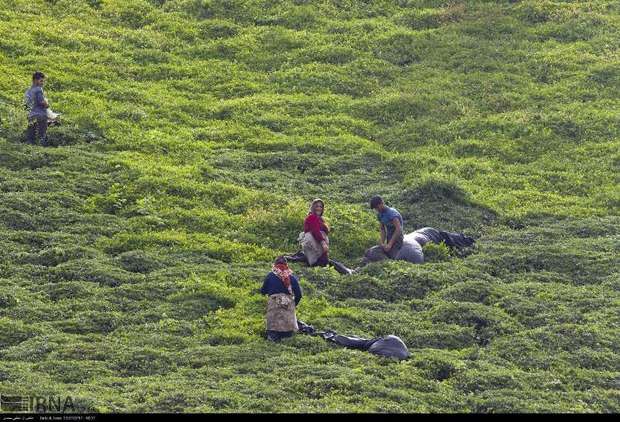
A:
316	201
283	272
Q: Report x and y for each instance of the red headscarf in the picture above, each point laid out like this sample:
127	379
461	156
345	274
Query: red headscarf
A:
283	272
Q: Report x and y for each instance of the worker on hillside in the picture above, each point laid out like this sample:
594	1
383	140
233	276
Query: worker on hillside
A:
284	292
395	245
37	107
314	241
390	227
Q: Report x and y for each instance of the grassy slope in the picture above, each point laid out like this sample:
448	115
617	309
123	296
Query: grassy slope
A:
198	130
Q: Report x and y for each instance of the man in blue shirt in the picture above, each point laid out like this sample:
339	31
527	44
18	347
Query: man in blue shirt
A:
391	226
396	245
37	106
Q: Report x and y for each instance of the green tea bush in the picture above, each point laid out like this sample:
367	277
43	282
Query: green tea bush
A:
436	253
66	290
14	332
93	271
7	300
139	262
487	322
194	135
199	299
135	14
54	256
479	291
144	362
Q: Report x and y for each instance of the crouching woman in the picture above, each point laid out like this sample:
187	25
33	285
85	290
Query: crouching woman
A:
284	293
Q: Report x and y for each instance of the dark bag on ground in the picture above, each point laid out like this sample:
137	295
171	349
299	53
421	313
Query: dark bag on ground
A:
387	346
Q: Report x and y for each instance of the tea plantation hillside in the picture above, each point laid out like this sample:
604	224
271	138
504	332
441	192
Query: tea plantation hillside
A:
195	134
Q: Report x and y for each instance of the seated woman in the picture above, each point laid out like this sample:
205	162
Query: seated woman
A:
284	293
314	241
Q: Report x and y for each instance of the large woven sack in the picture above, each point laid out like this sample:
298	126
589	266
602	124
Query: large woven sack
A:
281	313
312	249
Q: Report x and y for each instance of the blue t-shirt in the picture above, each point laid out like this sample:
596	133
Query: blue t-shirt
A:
386	218
35	99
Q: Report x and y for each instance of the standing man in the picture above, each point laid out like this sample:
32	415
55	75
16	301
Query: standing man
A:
37	106
391	227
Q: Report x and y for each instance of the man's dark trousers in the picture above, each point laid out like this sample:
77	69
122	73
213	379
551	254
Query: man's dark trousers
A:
37	124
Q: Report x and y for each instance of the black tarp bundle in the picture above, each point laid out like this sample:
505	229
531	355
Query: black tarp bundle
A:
388	346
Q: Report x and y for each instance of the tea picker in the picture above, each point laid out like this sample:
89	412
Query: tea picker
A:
40	115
